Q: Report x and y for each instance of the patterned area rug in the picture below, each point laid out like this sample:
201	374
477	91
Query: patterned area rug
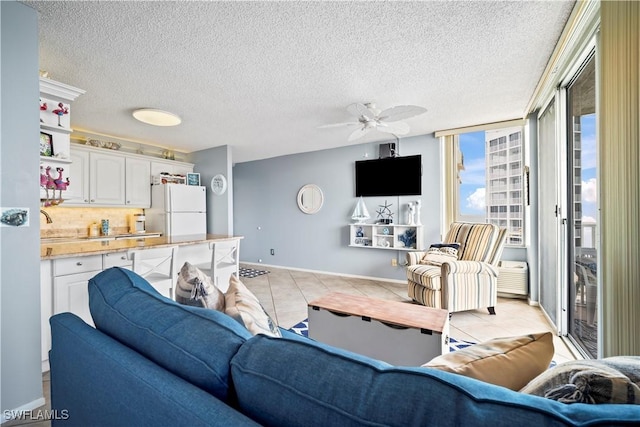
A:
250	272
301	328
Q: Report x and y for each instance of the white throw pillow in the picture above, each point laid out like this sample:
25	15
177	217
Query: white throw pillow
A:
438	255
243	306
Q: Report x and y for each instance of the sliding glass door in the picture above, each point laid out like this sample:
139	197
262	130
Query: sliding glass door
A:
582	289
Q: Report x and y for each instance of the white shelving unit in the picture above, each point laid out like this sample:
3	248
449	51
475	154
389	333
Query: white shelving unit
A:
397	237
58	127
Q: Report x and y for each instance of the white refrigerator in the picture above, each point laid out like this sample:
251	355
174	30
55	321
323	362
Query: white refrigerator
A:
177	210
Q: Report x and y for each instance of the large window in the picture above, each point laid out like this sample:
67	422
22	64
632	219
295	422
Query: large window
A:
490	185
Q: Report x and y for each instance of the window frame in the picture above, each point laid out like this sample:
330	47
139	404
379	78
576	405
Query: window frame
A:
453	163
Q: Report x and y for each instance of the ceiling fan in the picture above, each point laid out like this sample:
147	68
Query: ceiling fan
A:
368	118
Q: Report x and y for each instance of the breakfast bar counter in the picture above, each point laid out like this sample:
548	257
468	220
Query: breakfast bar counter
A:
84	247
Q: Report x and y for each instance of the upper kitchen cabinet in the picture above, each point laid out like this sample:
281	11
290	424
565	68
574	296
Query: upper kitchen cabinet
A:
107	179
103	177
97	178
138	182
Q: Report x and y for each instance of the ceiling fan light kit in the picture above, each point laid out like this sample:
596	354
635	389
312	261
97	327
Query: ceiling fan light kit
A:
155	117
388	121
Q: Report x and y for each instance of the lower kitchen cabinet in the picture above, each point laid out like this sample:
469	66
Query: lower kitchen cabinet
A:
70	294
63	288
70	278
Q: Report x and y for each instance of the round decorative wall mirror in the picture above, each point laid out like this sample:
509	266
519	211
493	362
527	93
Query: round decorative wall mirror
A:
310	199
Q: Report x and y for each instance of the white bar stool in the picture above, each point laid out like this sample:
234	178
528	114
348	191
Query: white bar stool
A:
157	266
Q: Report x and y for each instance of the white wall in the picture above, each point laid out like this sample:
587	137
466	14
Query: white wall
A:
20	377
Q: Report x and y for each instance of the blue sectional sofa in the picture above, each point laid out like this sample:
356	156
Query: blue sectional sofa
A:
153	362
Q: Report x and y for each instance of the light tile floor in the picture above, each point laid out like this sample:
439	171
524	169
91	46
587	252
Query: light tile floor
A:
285	294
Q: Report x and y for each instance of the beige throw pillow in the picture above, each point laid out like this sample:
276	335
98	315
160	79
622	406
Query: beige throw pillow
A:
243	306
508	362
197	289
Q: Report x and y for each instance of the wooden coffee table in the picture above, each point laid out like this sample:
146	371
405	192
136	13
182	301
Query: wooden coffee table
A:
396	332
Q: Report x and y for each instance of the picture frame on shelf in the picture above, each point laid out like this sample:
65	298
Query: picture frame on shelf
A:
46	144
193	179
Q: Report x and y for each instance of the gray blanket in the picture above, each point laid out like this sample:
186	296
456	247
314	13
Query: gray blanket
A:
609	380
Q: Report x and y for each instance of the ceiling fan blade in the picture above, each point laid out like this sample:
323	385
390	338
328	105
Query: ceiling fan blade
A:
358	133
400	112
396	128
336	125
361	110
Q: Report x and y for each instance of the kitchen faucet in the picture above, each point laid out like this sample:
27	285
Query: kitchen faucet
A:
49	220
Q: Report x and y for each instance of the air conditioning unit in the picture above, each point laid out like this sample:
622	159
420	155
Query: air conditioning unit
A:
513	278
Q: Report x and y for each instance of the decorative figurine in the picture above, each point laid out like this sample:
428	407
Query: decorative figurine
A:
61	111
418	204
411	214
60	185
43	107
408	238
385	211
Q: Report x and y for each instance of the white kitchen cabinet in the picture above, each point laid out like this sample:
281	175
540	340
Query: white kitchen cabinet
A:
101	177
106	179
70	294
138	182
78	190
70	279
116	259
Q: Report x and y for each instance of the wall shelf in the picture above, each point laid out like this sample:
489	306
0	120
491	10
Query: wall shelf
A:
397	237
54	160
55	128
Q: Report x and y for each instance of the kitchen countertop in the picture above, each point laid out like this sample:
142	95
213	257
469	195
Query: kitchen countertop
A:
83	247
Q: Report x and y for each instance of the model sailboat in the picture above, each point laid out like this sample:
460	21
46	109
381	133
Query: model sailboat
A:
360	213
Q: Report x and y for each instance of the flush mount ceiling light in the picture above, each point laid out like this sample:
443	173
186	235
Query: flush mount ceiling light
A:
156	117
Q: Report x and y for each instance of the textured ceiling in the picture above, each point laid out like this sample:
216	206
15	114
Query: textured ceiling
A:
262	76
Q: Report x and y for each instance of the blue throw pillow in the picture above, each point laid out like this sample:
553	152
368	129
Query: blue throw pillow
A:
191	342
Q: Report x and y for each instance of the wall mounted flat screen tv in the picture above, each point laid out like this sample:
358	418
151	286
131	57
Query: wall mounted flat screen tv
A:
392	176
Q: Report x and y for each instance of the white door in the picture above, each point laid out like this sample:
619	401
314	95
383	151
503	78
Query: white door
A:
187	198
186	223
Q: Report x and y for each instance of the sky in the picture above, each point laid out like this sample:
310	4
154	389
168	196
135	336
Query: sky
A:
472	189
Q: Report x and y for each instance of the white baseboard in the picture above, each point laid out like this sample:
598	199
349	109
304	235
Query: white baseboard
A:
10	414
355	276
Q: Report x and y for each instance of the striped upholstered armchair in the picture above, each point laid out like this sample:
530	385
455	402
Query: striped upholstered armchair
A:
466	283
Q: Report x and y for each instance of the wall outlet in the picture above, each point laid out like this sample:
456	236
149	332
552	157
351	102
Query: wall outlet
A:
394	262
273	251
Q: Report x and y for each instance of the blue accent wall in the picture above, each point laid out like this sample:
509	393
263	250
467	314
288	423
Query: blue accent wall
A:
267	214
209	163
